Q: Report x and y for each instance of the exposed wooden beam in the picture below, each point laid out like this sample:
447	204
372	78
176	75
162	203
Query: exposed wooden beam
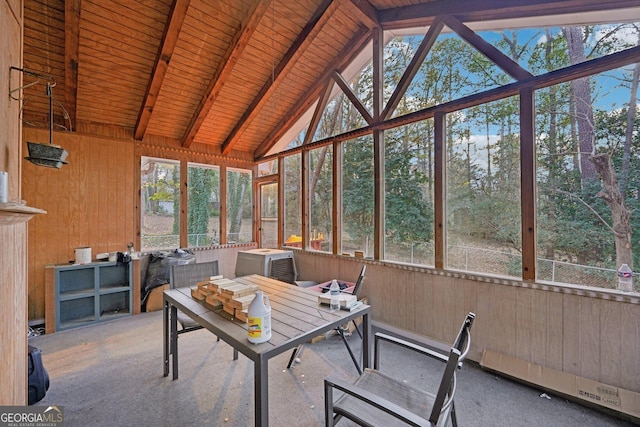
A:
413	68
168	43
255	13
71	48
317	114
472	10
352	96
507	64
364	11
341	60
528	183
304	39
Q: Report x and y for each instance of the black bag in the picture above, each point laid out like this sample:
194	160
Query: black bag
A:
38	376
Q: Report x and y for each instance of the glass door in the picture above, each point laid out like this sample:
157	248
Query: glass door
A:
268	210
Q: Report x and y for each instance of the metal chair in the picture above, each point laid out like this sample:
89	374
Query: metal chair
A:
187	275
356	291
377	399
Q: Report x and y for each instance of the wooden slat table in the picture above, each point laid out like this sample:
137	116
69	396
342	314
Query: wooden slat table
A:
296	317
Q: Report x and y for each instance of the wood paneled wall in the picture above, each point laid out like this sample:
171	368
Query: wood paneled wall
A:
585	332
89	202
13	238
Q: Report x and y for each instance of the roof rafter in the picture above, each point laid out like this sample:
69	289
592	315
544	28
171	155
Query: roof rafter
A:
321	15
507	64
341	60
317	114
472	10
71	49
241	39
167	44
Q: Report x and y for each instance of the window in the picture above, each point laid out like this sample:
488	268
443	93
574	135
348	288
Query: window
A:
583	198
293	201
160	201
409	193
239	206
483	189
203	205
321	198
357	196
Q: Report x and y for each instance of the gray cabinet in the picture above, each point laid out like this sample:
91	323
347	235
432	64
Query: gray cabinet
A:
91	293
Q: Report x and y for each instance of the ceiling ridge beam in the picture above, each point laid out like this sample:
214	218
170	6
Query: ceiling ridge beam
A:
472	10
342	59
365	12
168	43
228	62
507	64
319	18
71	52
413	67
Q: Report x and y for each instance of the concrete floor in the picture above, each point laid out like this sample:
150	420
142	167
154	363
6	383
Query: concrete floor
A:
110	374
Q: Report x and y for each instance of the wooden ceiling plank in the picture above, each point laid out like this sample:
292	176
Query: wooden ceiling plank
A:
242	38
507	64
413	67
320	17
352	96
342	59
165	50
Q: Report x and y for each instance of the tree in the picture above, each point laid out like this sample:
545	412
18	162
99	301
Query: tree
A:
611	191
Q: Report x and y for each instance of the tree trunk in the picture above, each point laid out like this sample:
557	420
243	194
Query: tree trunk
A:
620	214
631	115
584	110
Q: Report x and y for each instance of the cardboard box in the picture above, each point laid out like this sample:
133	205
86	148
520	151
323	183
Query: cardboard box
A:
572	386
154	300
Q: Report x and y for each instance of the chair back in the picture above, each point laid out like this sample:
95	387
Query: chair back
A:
462	342
358	287
283	269
446	390
189	274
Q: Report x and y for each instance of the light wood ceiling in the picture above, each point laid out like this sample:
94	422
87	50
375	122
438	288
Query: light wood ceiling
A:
227	73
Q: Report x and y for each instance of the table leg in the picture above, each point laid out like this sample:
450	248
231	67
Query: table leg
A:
261	391
366	335
174	340
165	338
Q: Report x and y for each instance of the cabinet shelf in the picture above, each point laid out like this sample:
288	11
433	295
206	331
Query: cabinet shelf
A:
66	296
90	293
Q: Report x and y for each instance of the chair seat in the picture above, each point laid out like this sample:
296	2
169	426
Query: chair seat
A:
402	394
185	321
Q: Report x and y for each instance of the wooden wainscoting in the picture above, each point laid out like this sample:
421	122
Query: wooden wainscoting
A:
588	332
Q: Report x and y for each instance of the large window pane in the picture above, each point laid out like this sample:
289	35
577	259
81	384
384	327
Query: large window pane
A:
357	196
321	198
293	201
588	180
483	189
409	194
160	201
203	206
239	206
